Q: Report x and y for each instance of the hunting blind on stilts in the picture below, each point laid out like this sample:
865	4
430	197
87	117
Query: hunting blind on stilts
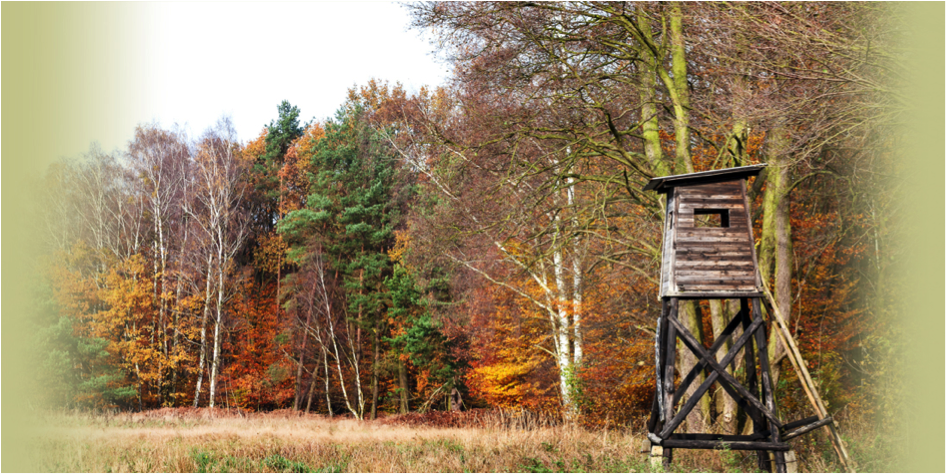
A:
708	252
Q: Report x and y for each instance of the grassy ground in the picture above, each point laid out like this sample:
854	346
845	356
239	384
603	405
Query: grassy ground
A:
201	441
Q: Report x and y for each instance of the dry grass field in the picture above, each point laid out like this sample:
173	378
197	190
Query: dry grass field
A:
185	440
201	441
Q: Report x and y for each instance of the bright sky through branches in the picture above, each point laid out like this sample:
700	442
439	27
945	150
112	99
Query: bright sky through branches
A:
243	59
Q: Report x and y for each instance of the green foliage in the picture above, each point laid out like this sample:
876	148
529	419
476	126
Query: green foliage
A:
282	131
575	387
729	459
277	373
351	209
422	338
77	371
265	171
57	347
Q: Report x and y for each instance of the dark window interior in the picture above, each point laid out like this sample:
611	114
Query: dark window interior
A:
711	217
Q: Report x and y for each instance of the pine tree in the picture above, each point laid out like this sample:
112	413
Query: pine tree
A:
279	137
352	211
419	337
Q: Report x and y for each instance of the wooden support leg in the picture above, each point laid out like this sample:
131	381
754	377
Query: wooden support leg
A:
752	384
767	388
702	364
657	413
670	350
653	423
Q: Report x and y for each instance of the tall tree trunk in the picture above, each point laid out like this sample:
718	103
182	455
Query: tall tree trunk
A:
325	298
161	302
218	326
203	333
650	127
775	253
328	395
578	340
691	317
358	347
177	316
680	96
375	368
154	290
301	364
722	311
215	362
578	336
566	367
726	408
681	92
737	143
566	331
404	392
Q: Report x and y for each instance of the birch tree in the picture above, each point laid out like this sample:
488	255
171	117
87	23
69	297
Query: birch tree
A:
155	156
218	191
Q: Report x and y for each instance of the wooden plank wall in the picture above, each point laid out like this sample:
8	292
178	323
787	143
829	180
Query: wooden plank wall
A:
666	252
712	259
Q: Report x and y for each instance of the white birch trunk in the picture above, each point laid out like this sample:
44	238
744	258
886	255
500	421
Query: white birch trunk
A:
218	323
203	331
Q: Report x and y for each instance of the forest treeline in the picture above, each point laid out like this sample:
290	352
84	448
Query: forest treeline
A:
488	241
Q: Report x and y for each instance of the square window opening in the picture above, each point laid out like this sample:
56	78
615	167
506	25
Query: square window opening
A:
712	218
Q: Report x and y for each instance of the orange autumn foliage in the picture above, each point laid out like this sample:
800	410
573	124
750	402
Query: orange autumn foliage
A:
294	173
258	375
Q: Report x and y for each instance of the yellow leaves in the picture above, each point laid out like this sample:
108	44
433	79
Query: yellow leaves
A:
516	248
402	244
255	148
510	366
73	292
505	384
513	363
126	299
270	253
117	304
375	94
311	136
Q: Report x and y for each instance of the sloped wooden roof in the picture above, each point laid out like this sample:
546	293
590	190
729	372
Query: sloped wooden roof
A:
665	183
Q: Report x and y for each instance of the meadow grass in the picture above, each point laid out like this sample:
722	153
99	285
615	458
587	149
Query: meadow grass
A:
204	441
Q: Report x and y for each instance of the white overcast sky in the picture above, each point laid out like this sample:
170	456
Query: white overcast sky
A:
242	59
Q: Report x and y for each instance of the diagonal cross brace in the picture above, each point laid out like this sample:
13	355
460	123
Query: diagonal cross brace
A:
695	397
658	411
718	371
691	402
701	365
700	351
720	340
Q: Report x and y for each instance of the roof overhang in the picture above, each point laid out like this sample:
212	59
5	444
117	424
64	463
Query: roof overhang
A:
666	183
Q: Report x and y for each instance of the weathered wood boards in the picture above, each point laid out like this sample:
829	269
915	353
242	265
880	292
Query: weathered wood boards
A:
708	249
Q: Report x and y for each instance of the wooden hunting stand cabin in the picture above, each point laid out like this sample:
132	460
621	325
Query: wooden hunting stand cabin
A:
709	253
